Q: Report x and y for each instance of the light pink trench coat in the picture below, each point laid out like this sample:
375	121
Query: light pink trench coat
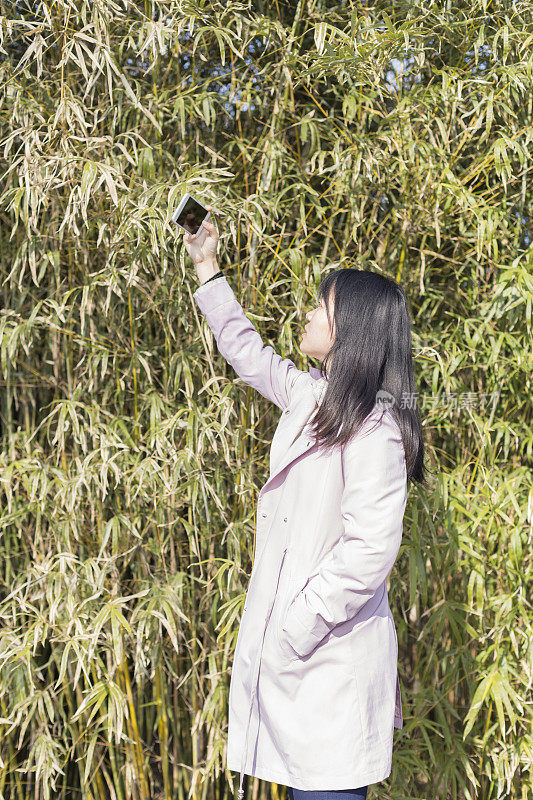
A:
314	693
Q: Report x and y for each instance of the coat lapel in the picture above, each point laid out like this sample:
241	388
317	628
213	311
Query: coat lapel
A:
304	442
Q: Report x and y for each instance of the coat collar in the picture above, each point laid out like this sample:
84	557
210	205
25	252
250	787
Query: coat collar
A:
319	387
319	384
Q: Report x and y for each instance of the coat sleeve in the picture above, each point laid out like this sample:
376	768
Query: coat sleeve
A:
372	507
241	345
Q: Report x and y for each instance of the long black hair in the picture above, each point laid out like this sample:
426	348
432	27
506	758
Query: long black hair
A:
371	354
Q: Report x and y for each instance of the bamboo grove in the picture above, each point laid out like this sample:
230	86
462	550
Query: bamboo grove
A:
390	136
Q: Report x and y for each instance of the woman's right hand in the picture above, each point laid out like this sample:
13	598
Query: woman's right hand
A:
205	253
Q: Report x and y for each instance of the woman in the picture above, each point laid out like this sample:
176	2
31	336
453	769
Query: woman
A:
314	694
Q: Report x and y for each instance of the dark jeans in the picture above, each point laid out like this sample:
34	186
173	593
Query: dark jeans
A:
336	794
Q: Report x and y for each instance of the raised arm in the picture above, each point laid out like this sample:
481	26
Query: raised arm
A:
241	345
237	339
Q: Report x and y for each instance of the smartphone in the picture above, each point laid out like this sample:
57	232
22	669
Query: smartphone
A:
189	215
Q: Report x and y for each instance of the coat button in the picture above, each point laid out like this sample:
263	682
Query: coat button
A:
263	514
284	519
287	410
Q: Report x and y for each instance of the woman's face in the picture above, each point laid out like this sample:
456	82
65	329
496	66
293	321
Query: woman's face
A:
317	338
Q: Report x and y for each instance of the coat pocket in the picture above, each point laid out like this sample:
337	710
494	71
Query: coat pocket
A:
287	594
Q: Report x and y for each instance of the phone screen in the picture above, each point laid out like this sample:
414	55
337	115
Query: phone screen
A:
191	216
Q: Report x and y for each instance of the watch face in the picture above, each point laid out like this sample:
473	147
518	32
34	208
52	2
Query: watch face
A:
191	216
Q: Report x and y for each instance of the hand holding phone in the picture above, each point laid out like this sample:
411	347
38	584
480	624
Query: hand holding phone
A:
201	236
203	250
